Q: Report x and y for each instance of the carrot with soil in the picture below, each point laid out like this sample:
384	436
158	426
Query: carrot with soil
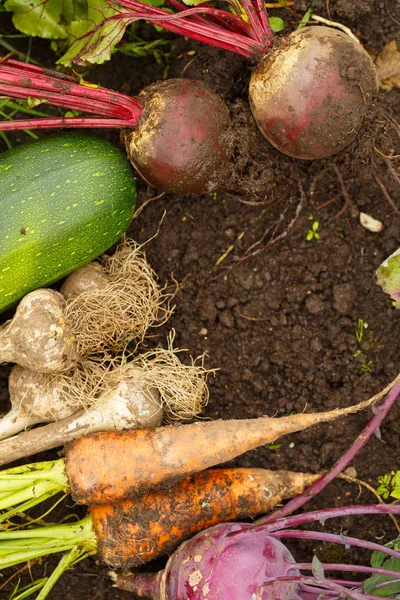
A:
201	568
138	392
176	133
105	467
132	532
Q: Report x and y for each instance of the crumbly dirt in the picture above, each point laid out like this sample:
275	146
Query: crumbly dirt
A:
278	314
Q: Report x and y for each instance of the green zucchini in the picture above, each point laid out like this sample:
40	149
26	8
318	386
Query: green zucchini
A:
64	200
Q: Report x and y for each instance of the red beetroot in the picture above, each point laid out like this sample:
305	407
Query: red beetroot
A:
176	132
309	96
182	141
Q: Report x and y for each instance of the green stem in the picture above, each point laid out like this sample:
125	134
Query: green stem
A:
31	589
23	109
74	555
25	486
22	545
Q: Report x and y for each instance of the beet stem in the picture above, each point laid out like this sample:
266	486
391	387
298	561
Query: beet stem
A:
57	99
343	461
263	17
350	568
336	539
330	513
232	22
254	20
20	81
64	123
210	34
50	80
326	584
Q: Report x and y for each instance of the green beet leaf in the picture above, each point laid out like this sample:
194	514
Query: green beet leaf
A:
93	39
41	18
388	276
379	585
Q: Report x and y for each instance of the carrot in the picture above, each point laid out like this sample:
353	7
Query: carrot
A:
158	521
135	531
104	467
108	466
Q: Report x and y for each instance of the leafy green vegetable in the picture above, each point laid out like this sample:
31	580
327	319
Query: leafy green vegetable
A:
81	23
194	2
388	276
43	18
389	485
277	24
378	584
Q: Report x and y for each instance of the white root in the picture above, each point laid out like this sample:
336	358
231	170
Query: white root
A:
127	406
38	336
114	301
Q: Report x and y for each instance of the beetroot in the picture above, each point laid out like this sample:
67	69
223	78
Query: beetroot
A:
176	133
182	141
309	95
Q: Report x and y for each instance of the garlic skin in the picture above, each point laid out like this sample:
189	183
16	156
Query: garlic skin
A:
33	402
131	405
89	278
38	337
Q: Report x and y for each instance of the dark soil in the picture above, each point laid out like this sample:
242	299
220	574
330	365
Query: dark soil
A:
276	314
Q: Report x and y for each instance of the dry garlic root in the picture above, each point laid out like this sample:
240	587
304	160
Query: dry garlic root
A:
121	301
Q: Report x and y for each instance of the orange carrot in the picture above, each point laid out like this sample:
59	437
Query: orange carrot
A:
104	467
135	531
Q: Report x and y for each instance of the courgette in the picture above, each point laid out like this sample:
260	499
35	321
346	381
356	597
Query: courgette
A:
64	200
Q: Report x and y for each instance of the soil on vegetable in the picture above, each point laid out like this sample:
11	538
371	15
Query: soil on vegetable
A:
292	324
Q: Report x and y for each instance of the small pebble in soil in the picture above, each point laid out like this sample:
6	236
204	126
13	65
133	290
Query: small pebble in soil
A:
315	304
226	318
344	295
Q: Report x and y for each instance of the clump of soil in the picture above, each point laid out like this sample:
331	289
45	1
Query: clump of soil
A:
276	313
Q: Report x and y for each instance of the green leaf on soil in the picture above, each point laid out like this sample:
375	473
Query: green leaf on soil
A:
389	485
277	24
388	276
376	583
306	18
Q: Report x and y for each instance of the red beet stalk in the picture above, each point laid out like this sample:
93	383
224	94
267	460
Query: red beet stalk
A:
21	81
